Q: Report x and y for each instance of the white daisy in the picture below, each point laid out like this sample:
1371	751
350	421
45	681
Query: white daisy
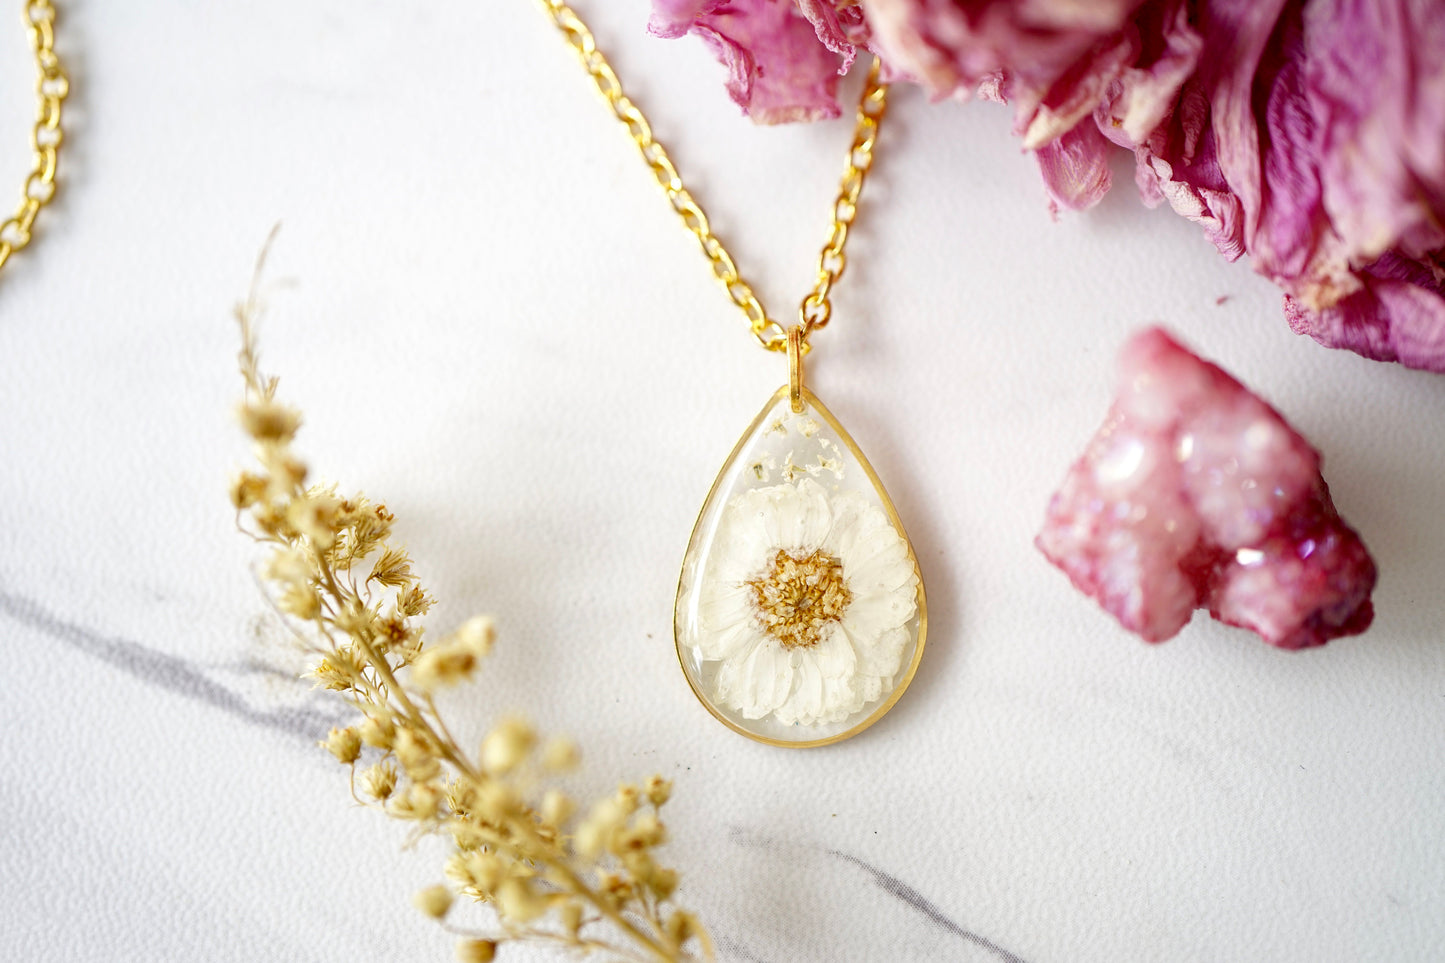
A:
805	602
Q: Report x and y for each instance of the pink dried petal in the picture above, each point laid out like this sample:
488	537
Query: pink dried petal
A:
839	28
1375	75
1179	163
952	46
1197	494
1080	90
778	72
1075	168
1397	315
1146	91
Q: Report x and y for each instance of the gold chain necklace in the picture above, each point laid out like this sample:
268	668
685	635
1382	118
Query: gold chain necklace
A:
800	615
51	88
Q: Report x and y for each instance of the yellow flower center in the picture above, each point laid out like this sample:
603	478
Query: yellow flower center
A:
797	597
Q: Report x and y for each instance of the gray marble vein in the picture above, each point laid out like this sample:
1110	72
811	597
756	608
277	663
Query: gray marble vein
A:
171	673
890	884
732	949
916	901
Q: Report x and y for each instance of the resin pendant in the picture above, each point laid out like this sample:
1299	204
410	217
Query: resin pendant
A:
800	615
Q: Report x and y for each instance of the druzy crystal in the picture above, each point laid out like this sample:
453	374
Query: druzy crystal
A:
1196	494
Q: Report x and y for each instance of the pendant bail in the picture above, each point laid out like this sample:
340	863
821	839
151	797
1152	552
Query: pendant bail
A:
795	368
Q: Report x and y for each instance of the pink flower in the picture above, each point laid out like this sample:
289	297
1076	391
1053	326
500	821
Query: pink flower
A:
1357	118
777	70
1196	494
1328	131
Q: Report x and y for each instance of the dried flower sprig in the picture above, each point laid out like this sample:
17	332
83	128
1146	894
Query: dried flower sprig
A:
581	878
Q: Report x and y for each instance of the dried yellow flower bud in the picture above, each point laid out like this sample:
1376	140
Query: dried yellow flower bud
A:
680	927
640	866
507	745
421	801
659	790
357	621
300	600
561	755
615	887
571	914
416	754
444	665
518	901
288	565
344	744
627	798
315	517
413	601
265	420
459	873
378	732
408	650
288	472
557	808
393	568
379	781
461	796
247	489
269	519
476	951
477	634
466	836
336	672
596	831
486	871
391	631
434	901
663	882
497	803
646	831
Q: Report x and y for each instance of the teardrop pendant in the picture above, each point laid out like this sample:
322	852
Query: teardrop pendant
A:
800	615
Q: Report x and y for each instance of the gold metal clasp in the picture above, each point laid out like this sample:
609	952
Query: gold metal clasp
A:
795	367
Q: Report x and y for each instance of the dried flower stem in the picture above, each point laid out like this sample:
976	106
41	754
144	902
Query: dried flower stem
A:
549	876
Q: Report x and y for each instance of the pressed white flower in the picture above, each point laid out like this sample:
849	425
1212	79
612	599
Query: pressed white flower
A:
805	603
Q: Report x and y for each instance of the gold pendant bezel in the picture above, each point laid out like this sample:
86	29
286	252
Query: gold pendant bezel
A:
906	680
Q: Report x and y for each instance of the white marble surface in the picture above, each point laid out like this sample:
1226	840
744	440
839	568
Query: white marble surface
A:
497	326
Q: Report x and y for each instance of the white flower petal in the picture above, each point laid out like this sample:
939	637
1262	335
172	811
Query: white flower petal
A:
724	604
799	517
826	689
880	654
849	510
725	644
816	518
834	655
765	679
742	546
869	616
870	687
879	564
732	678
805	703
784	509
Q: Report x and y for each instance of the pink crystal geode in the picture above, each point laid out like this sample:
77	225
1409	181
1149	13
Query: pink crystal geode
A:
1196	494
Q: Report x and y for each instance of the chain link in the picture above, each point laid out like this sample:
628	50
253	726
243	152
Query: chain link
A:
816	309
51	88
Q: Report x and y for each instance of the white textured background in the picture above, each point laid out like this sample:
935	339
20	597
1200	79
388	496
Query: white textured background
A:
498	327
